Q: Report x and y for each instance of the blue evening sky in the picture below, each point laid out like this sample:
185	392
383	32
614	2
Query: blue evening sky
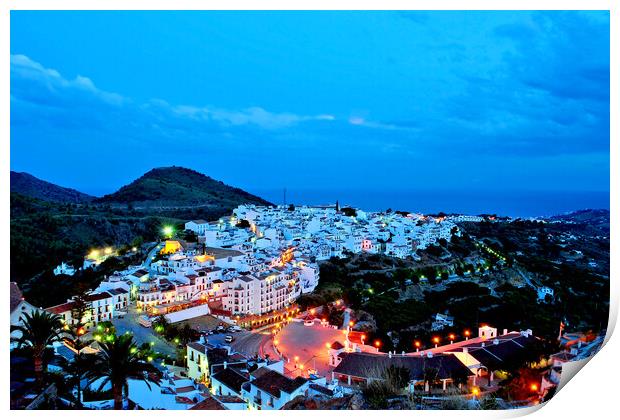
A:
433	101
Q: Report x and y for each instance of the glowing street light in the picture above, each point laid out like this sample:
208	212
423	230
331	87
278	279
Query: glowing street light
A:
451	336
329	346
108	250
475	392
168	230
436	341
534	388
351	323
467	334
377	344
417	345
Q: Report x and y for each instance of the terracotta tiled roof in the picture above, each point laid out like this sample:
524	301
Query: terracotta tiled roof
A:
16	296
63	307
336	345
274	383
208	404
231	378
369	365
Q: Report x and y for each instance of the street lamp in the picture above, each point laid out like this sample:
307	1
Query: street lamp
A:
436	341
417	346
451	338
168	230
377	344
467	334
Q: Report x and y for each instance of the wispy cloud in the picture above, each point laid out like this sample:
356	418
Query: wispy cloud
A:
33	83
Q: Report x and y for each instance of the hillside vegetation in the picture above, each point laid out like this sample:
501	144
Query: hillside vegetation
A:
175	186
30	186
45	232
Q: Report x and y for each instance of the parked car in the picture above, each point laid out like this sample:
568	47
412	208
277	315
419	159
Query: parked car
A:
145	321
220	328
229	339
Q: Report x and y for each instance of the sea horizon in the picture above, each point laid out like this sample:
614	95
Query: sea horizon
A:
510	203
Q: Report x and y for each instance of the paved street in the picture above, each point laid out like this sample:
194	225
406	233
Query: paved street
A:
309	344
141	334
150	256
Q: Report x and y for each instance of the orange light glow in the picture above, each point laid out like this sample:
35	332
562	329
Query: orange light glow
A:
451	336
475	391
312	311
329	346
467	333
351	323
534	387
363	336
435	340
276	342
417	344
377	343
81	331
296	358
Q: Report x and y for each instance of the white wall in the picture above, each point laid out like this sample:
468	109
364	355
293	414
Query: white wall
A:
188	313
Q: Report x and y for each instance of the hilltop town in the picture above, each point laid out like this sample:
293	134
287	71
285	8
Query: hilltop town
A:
308	307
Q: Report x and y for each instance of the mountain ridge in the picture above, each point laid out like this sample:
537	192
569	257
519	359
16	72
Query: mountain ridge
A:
30	186
179	186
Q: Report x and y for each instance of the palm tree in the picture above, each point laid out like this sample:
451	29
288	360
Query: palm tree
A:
161	324
117	362
39	330
186	334
78	367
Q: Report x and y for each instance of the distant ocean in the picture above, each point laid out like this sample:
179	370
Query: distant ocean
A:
514	204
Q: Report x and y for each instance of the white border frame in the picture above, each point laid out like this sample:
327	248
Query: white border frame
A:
593	394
